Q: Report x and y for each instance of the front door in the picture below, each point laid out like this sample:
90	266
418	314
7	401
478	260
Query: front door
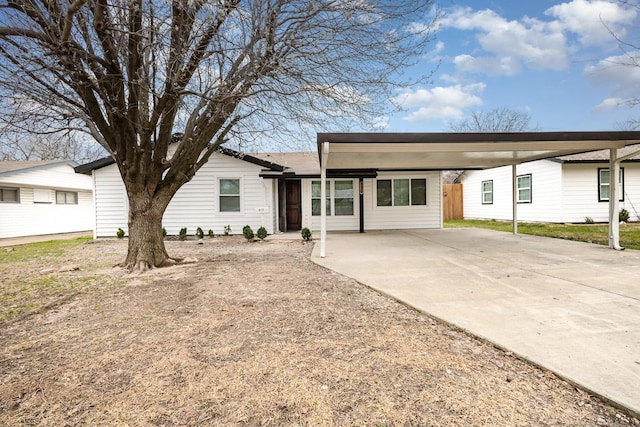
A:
294	205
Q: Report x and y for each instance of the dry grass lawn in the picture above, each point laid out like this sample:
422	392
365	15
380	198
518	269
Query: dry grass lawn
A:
251	334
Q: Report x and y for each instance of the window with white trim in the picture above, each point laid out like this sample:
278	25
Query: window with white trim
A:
401	192
524	188
487	192
66	197
229	196
604	185
9	195
341	198
316	198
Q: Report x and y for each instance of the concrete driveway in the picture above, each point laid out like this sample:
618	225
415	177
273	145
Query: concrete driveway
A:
570	307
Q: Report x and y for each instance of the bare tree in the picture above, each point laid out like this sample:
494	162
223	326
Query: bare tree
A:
53	147
496	120
132	73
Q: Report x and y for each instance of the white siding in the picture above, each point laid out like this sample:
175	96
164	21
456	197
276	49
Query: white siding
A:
30	219
632	190
403	217
546	193
560	192
196	203
110	202
581	192
378	217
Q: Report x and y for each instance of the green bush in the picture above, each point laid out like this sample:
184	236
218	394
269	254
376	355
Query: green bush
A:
120	233
164	232
588	220
199	233
261	233
306	233
247	232
623	215
210	234
183	233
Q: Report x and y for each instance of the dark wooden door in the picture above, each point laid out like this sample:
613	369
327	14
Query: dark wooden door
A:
294	206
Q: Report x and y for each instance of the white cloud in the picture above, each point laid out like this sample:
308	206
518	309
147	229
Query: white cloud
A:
504	66
510	44
440	102
610	104
593	20
381	122
622	72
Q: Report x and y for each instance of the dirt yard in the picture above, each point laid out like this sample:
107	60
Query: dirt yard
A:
250	334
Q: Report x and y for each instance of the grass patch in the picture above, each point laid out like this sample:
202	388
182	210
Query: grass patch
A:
31	280
49	249
591	233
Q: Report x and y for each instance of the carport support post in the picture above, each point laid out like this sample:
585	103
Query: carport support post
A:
614	221
514	186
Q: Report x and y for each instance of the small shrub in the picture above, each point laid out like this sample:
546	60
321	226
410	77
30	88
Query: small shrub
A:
227	230
164	232
183	233
210	234
199	233
623	215
247	232
588	220
306	233
120	233
261	233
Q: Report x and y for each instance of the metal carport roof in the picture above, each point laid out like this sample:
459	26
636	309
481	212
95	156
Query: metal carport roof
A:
442	151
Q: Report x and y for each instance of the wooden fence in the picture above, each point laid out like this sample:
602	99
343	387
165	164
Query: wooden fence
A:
452	200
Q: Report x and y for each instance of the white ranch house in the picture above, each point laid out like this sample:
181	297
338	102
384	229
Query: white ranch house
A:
279	191
373	181
564	189
44	197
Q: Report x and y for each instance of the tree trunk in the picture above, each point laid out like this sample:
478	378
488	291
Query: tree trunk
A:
146	243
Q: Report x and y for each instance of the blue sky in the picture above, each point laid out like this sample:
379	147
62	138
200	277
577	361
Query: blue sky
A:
558	60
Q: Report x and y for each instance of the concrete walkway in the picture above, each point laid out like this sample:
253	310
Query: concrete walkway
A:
570	307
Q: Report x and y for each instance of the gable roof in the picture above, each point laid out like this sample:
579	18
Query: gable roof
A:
14	167
106	161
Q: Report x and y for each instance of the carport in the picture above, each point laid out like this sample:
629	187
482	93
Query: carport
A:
354	153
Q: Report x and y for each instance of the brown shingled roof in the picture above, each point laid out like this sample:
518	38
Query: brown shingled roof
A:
300	163
601	155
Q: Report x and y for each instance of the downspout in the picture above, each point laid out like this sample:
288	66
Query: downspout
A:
323	197
361	200
614	204
514	187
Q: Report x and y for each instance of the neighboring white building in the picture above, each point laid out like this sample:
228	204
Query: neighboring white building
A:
280	191
44	197
565	189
